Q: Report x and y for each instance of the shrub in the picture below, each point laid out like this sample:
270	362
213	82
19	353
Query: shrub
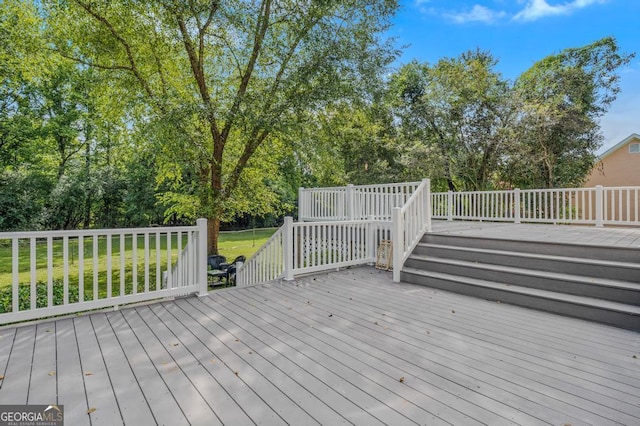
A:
24	296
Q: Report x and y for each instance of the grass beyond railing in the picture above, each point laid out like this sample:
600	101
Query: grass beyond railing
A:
47	273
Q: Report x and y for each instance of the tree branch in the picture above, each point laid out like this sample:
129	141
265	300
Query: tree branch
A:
261	30
127	47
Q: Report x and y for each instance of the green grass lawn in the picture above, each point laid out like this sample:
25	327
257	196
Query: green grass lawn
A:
231	244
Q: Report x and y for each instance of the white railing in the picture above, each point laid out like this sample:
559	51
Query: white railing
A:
597	206
299	248
409	224
351	202
62	272
267	264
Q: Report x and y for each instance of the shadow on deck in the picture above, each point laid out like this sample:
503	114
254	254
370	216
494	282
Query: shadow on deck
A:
342	347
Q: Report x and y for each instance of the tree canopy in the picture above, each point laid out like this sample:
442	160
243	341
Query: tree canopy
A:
127	113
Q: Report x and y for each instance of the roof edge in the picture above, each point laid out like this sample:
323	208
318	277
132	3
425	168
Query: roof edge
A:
619	145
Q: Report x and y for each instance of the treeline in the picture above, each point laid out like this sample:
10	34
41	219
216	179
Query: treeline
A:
133	114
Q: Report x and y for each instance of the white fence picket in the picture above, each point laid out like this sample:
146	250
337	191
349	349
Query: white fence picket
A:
189	278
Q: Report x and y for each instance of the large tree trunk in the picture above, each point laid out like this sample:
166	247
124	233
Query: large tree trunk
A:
213	231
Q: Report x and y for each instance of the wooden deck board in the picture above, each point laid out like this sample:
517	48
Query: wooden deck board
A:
440	363
43	381
15	385
158	395
553	388
101	400
326	349
132	403
71	387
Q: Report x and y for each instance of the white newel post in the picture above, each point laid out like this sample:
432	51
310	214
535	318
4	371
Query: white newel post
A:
599	206
371	240
397	236
287	248
301	212
516	205
201	259
350	202
427	203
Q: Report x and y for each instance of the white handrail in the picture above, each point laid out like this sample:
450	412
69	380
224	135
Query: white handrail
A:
101	268
352	202
596	206
409	224
306	247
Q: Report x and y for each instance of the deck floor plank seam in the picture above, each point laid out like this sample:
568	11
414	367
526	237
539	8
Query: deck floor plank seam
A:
476	317
392	380
160	399
535	320
132	402
7	340
221	398
347	372
328	348
372	345
234	361
72	391
541	389
15	385
192	386
101	397
43	386
539	374
317	387
473	328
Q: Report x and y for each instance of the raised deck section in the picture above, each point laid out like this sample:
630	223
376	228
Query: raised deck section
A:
587	273
344	347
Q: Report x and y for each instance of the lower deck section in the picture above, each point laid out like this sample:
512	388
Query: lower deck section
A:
337	348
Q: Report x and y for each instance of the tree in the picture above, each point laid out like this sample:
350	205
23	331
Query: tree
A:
562	98
460	110
225	78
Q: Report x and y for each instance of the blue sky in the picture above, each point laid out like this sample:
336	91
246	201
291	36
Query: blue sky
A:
520	32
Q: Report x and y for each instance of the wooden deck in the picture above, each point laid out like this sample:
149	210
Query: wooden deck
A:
343	347
623	236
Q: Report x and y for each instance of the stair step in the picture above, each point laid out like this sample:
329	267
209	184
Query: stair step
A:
604	311
619	254
552	263
603	288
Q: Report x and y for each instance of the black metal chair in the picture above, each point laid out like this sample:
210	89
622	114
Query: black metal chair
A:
239	259
215	272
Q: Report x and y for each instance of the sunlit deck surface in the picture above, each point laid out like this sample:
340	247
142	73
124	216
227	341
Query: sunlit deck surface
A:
342	347
623	236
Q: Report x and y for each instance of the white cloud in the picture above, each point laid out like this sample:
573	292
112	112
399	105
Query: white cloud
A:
536	9
477	14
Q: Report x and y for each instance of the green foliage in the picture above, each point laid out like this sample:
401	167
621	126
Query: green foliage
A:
562	98
24	296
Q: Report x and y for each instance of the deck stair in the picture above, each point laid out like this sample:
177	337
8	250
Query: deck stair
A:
596	283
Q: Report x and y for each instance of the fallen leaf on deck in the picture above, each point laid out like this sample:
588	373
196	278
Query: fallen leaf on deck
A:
88	373
235	372
174	344
1	377
401	379
52	373
91	410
